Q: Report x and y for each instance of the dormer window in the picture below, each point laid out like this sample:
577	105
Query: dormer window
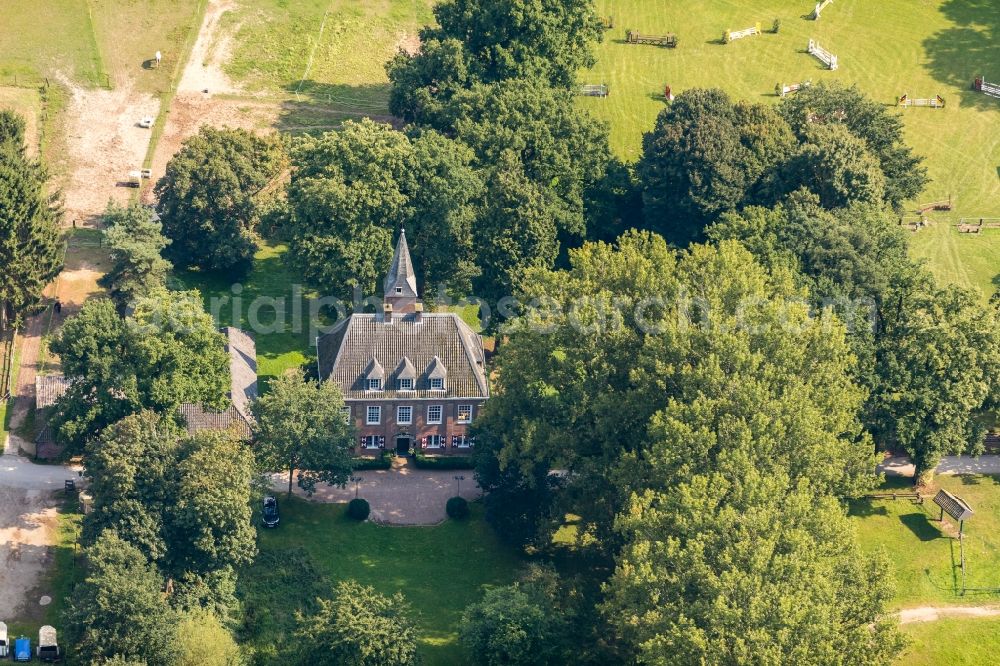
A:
399	290
406	384
437	383
374	384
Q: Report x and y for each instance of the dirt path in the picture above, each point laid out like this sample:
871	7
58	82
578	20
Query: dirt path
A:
27	531
208	55
932	613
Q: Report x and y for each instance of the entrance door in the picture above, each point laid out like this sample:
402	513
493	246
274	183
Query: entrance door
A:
402	446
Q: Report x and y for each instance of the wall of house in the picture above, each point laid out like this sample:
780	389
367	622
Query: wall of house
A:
418	429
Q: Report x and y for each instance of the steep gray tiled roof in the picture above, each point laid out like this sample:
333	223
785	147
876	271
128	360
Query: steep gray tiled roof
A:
48	389
242	391
197	419
242	367
345	353
401	273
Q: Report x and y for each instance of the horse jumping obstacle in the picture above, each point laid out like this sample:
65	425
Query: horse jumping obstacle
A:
601	90
981	85
944	204
936	102
975	225
609	22
781	89
822	54
914	223
820	6
669	40
731	35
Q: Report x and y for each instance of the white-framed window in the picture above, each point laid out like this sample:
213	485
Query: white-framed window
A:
399	290
371	441
435	442
406	384
374	416
346	413
374	385
434	413
464	413
437	383
404	414
461	441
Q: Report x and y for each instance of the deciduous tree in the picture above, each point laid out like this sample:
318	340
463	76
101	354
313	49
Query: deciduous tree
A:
208	197
119	608
166	353
300	428
358	627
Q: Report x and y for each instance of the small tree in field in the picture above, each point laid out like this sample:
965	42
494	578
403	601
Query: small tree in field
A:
300	428
358	627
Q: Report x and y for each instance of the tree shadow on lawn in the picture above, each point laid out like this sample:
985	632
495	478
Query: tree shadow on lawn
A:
921	526
959	54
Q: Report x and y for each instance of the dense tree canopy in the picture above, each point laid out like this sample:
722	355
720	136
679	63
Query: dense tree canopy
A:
353	189
707	156
926	355
208	197
479	41
869	121
358	627
136	242
119	608
300	427
29	237
167	352
836	166
624	334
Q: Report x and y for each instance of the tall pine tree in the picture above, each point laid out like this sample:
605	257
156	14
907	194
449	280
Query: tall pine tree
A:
29	236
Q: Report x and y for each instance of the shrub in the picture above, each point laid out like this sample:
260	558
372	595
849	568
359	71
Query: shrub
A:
423	461
457	508
383	461
358	509
777	26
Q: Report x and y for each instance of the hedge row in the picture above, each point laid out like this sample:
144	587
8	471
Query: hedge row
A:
383	461
423	461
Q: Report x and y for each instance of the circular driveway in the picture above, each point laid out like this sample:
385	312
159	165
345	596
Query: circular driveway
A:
403	495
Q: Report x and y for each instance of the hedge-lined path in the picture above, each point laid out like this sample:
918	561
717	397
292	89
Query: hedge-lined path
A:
403	495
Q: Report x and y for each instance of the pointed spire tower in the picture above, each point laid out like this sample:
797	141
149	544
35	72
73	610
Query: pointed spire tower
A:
400	286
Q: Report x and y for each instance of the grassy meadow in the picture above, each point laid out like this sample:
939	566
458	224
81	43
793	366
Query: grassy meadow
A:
328	52
439	569
887	48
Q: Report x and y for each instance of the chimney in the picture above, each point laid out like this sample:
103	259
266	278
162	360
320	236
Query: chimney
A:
387	313
418	312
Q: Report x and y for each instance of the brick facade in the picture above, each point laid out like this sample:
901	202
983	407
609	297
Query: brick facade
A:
418	430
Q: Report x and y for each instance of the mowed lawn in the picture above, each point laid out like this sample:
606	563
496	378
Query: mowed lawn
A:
251	302
887	48
951	642
331	52
926	560
439	569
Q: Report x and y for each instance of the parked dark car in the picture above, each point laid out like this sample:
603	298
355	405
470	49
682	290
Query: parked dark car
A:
270	512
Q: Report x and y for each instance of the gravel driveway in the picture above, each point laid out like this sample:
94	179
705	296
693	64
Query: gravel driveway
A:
403	495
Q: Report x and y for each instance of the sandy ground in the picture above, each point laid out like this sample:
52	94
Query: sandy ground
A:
210	52
27	532
104	144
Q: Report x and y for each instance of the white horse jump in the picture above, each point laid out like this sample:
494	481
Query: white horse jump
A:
980	84
936	102
820	6
730	35
824	56
781	89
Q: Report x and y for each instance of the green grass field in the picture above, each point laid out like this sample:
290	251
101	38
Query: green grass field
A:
331	52
926	558
439	569
951	641
887	48
280	347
